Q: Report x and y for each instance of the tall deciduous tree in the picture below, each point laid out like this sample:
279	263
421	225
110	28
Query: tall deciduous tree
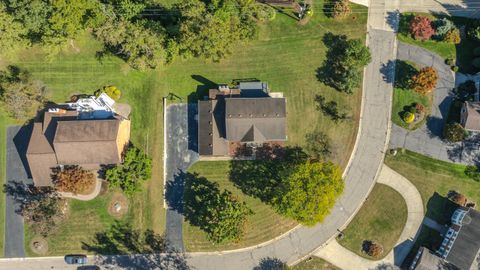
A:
138	45
310	192
21	96
136	168
42	211
12	33
218	213
212	30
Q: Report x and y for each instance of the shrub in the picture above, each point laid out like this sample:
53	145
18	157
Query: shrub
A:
450	61
373	249
473	32
476	51
412	109
454	68
442	27
454	132
73	179
111	90
452	36
408	117
476	62
473	172
264	13
419	108
341	9
136	167
425	80
421	28
466	90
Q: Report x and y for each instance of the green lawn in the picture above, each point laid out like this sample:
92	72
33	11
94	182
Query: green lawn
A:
285	54
434	179
263	225
381	219
314	263
404	97
463	52
431	175
83	220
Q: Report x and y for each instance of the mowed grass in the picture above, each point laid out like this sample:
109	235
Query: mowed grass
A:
77	71
262	226
314	263
381	219
404	97
82	220
430	175
285	54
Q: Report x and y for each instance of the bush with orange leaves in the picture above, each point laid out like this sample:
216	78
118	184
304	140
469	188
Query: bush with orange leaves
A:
425	80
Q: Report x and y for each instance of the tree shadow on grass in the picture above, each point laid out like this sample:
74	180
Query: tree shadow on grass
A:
440	209
262	178
335	45
403	74
134	248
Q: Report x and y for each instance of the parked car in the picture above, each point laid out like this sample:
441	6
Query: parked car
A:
76	259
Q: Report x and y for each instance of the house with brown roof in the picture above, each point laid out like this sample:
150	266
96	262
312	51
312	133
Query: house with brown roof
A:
470	116
89	133
247	115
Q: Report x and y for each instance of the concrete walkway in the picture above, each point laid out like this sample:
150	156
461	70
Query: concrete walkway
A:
345	259
85	197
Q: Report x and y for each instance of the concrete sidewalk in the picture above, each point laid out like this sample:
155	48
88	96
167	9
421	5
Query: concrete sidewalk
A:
347	260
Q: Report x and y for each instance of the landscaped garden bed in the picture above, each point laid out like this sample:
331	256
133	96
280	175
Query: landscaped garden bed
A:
409	108
380	220
435	39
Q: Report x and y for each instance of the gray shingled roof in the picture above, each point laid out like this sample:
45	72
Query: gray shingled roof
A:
467	244
255	119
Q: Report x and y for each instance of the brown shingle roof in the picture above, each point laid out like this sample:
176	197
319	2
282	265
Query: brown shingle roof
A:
87	141
472	122
255	119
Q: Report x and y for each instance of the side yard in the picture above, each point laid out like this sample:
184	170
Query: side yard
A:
434	179
262	226
76	70
381	219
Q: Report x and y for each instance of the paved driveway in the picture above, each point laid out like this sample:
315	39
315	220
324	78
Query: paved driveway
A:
181	154
17	176
427	139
